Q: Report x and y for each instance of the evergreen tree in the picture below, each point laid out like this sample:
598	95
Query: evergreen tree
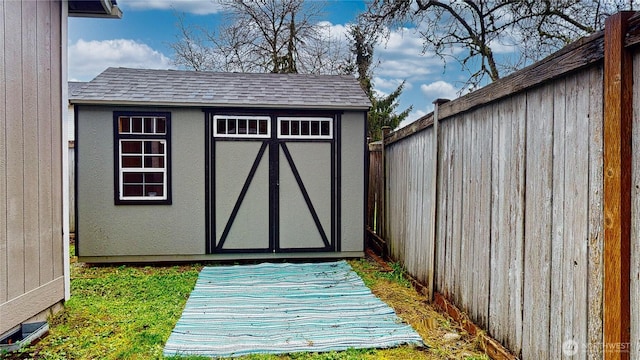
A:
383	108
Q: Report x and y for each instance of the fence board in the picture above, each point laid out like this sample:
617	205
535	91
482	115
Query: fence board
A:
516	242
558	242
499	285
596	235
537	225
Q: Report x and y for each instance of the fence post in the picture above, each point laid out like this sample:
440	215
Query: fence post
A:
618	75
383	202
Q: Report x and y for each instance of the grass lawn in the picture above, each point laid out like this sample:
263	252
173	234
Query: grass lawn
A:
128	312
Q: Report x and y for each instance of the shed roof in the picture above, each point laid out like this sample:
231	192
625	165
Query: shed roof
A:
125	86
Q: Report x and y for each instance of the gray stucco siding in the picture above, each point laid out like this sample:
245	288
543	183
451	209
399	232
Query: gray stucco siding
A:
106	229
352	180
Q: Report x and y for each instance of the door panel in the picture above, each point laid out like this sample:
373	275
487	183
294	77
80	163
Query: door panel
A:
241	195
305	199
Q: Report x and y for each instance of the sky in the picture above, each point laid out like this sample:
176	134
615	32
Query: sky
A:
141	40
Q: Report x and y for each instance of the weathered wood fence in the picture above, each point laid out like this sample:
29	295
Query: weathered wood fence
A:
527	229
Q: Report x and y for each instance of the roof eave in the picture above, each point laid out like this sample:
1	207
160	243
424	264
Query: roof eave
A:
94	9
209	105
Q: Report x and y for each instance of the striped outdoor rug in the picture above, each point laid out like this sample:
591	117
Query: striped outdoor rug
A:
284	308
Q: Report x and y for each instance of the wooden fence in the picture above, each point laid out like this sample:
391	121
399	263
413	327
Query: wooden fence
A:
499	201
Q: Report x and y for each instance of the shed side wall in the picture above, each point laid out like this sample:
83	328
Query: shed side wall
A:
31	249
352	181
105	229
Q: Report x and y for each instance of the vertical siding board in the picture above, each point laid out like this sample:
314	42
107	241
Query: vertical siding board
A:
30	146
537	223
452	216
635	219
557	331
14	151
56	140
3	165
44	142
595	270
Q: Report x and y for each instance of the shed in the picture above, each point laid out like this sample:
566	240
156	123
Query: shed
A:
182	165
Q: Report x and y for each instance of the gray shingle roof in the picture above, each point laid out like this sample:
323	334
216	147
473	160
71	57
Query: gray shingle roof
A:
199	88
74	87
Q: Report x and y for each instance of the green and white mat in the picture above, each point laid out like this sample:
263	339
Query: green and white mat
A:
284	308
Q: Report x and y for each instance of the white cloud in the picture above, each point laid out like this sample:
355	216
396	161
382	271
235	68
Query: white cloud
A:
382	84
439	90
198	7
89	58
337	31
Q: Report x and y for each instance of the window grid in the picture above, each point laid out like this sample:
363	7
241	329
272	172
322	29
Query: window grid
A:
241	126
142	163
142	125
305	128
143	169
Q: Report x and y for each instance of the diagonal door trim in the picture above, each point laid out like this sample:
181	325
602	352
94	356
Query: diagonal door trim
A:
243	193
307	199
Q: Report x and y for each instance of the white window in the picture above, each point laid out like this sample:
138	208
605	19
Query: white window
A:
142	159
241	126
305	128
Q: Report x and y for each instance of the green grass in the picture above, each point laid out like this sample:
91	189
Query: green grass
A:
128	312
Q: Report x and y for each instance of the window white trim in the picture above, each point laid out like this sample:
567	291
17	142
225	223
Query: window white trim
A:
301	121
237	120
143	169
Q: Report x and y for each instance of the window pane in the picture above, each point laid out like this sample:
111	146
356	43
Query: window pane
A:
132	161
263	127
153	178
125	125
154	161
161	126
325	128
231	126
284	128
132	177
295	127
315	128
136	125
222	126
154	190
305	127
253	126
132	147
132	190
242	126
154	147
148	125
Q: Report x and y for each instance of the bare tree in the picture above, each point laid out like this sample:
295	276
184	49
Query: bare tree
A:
262	36
472	32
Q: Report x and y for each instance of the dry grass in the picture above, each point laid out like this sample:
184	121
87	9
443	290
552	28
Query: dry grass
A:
413	307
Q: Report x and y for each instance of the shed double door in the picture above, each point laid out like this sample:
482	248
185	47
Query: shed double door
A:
273	184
